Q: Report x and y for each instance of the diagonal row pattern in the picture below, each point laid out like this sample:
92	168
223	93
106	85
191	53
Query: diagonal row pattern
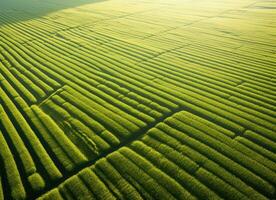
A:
157	101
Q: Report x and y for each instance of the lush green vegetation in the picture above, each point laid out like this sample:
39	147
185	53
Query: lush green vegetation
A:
137	99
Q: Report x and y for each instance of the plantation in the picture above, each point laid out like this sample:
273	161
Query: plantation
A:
137	99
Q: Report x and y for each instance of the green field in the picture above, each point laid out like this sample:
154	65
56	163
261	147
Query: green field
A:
137	99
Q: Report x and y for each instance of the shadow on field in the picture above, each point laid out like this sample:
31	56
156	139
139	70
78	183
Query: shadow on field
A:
21	10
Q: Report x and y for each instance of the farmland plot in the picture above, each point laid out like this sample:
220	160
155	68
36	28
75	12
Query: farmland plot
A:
138	100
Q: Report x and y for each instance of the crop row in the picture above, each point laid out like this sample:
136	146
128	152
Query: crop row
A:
68	95
264	116
139	107
184	157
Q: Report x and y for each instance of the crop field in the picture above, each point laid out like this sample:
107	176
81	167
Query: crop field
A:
137	99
